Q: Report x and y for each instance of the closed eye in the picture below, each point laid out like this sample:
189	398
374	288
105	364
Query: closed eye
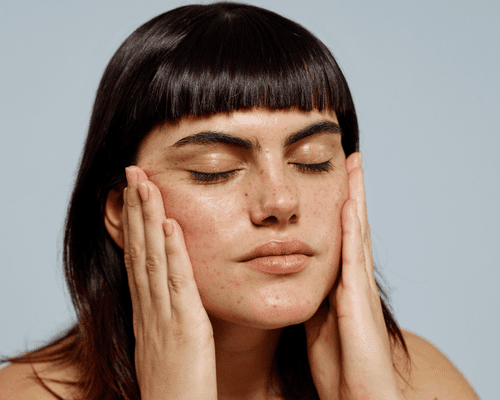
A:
321	167
212	177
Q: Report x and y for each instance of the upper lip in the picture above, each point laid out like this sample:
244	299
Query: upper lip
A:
279	248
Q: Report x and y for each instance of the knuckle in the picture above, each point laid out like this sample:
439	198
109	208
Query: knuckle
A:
132	203
133	253
177	282
148	216
128	263
179	336
153	261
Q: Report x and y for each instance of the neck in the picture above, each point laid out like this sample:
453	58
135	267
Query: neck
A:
244	358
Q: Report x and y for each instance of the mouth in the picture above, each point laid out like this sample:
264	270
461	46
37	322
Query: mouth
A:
279	257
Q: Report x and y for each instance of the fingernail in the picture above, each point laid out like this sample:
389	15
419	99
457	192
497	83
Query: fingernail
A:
143	191
127	174
168	227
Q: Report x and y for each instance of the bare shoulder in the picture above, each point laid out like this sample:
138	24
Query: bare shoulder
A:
17	382
432	375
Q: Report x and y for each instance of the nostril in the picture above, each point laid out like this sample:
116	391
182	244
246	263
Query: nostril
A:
276	203
272	220
277	220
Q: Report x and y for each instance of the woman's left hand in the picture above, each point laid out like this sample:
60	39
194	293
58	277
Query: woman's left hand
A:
347	340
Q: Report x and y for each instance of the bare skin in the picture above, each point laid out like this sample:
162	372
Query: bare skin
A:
433	376
184	287
271	197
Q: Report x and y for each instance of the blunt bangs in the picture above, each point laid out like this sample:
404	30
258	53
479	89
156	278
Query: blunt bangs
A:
208	59
232	57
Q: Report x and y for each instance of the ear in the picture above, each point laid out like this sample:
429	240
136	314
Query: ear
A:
113	216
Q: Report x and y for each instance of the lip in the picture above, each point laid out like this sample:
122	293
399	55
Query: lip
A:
279	257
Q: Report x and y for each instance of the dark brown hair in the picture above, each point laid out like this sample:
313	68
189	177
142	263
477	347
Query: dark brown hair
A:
193	60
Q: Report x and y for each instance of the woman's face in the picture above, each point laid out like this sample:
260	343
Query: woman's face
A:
237	181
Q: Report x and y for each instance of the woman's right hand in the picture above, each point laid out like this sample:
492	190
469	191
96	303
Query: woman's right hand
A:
174	344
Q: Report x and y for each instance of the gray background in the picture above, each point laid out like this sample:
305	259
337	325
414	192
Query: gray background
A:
425	80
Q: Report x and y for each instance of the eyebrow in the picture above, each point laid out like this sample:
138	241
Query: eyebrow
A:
210	137
313	129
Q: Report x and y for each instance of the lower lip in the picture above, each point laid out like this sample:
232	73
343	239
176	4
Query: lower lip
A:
279	265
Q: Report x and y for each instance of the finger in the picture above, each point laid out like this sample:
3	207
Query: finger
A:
363	338
357	189
357	193
353	297
184	296
135	255
353	161
130	274
141	175
155	259
354	275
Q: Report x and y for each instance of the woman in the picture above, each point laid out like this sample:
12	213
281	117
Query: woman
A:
217	243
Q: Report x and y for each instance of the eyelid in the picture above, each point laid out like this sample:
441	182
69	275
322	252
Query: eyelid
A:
318	167
215	177
315	143
212	177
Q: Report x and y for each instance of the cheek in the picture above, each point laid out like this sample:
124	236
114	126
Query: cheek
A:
198	225
208	223
211	225
326	203
196	217
326	215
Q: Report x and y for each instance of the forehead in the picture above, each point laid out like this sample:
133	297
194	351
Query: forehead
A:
252	131
250	123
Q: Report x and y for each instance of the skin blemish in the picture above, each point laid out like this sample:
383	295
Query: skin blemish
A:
222	222
237	284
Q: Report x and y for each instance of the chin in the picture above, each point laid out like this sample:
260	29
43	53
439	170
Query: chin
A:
274	314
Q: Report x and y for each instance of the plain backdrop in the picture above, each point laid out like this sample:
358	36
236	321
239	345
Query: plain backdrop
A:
425	80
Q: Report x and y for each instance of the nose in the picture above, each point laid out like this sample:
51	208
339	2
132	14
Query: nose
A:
275	199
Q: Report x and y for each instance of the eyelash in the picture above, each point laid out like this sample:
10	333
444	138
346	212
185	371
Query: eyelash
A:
321	167
203	177
211	177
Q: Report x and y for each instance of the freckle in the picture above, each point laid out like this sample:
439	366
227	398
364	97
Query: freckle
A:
261	172
235	282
